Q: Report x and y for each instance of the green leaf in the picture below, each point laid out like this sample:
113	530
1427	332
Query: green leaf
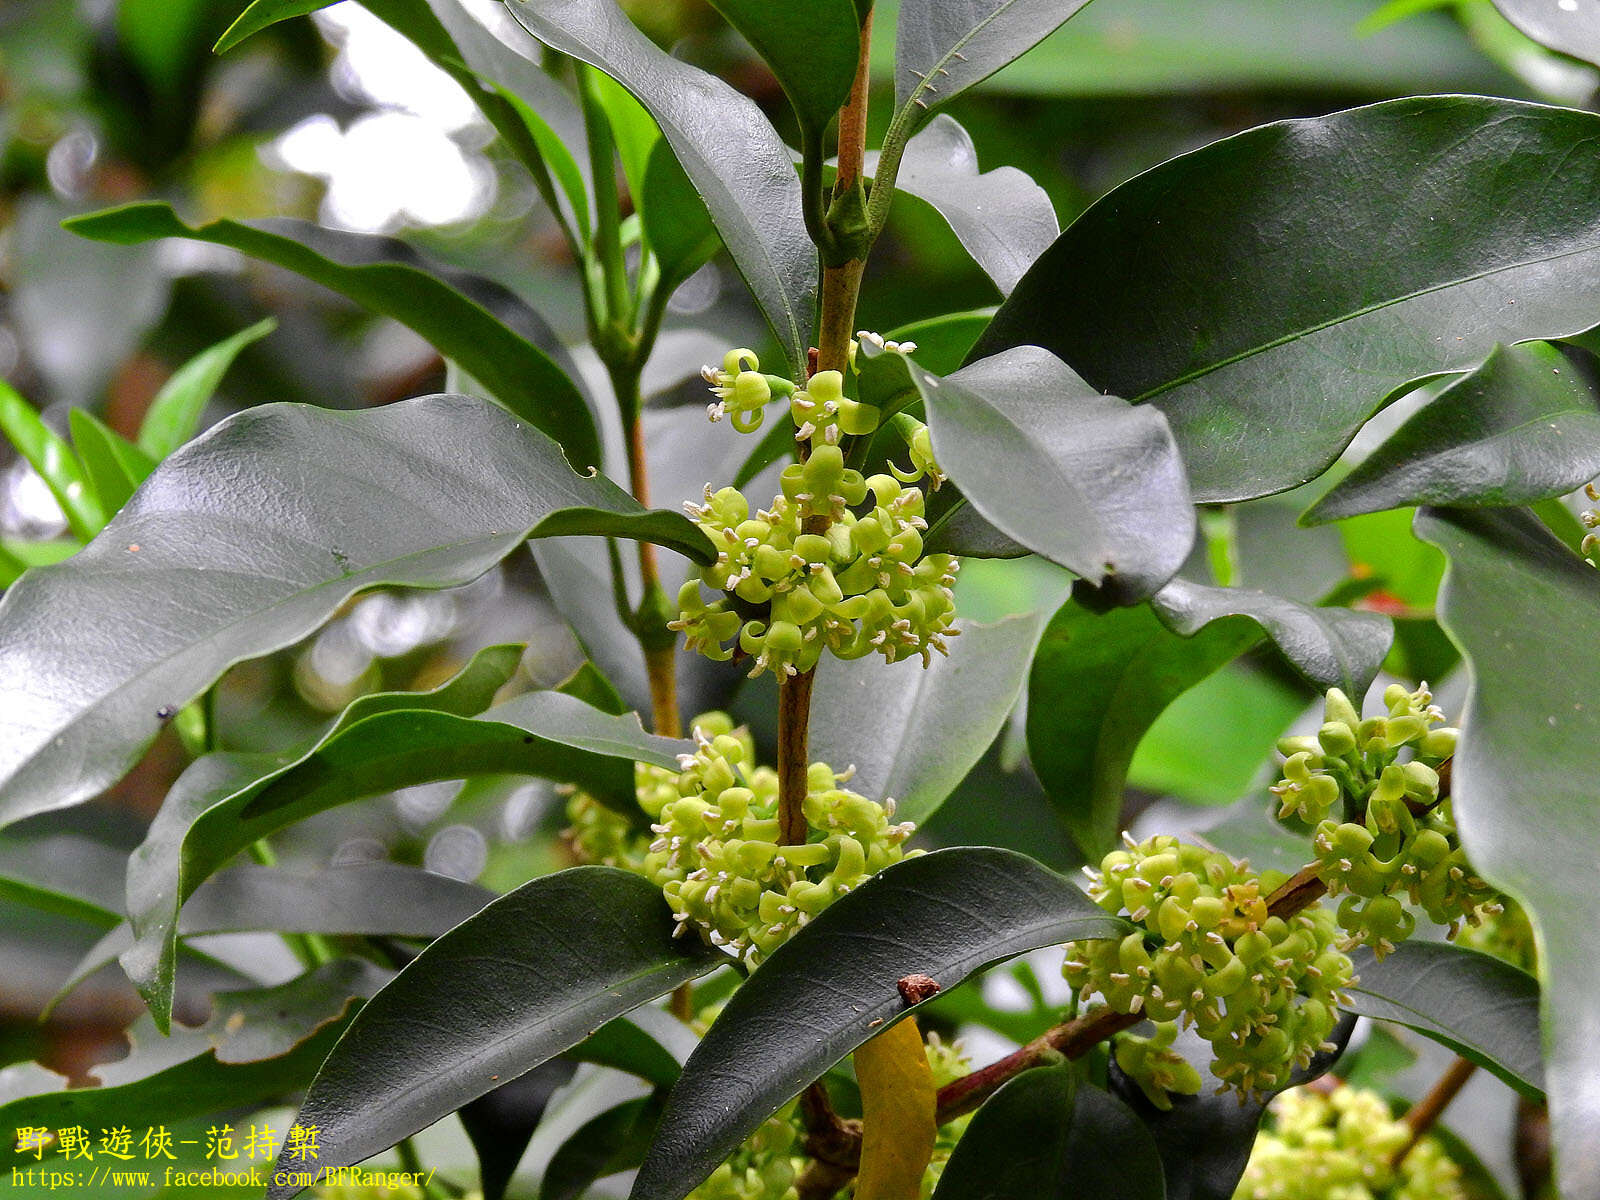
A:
1564	27
261	13
612	1141
632	128
225	802
18	554
1100	680
515	371
730	152
501	1123
675	220
913	732
281	1036
812	49
1144	48
114	465
1204	1141
945	915
942	48
1044	1135
376	899
944	342
1270	291
47	453
1525	611
526	978
1482	1008
1524	426
249	538
174	414
65	873
1003	218
1106	496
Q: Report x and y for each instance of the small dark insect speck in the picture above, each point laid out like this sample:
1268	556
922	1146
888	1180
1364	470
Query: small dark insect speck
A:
528	740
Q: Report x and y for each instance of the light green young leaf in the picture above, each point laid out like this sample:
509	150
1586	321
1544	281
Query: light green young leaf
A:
47	453
259	14
174	414
114	465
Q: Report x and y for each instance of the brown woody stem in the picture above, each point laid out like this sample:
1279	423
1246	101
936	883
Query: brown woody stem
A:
1426	1112
840	285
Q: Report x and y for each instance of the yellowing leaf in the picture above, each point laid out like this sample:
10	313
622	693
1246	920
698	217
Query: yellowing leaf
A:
898	1103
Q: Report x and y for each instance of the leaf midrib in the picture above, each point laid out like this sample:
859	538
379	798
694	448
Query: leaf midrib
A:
1355	315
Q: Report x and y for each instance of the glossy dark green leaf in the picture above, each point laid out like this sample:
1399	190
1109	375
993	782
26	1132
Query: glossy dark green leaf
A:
210	1069
728	149
113	465
376	899
945	915
259	14
1045	1135
943	47
1204	1141
47	452
1270	291
676	223
1479	1006
500	1124
1524	426
1100	680
225	802
249	538
516	372
174	415
1106	495
1003	218
612	1141
812	49
1525	611
1569	26
526	978
1329	647
913	732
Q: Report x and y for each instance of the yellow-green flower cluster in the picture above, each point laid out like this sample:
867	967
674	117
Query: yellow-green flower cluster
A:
763	1168
1339	1146
720	864
836	562
1397	837
948	1062
862	586
1508	935
1261	989
1155	1066
713	845
1591	522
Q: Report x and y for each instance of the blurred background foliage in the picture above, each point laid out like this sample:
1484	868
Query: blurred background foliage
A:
337	118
